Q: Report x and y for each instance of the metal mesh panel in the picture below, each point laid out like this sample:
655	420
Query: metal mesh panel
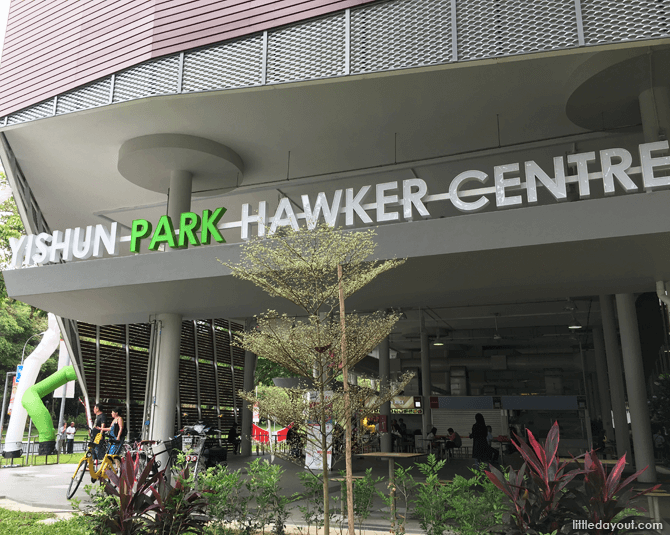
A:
38	111
89	96
235	64
393	35
505	27
613	20
314	49
155	77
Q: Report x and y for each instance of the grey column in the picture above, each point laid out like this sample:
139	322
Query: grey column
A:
384	380
615	373
426	386
603	383
636	387
167	375
247	416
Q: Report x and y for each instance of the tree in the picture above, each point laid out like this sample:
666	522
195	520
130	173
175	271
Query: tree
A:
18	321
302	267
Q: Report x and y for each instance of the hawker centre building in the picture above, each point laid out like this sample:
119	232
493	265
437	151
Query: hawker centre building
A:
514	152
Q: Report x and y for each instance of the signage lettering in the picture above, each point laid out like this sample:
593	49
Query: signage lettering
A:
393	201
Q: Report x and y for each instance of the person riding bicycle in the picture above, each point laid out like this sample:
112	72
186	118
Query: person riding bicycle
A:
117	432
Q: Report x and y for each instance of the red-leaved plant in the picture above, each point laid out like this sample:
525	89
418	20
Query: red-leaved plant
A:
604	497
134	488
549	498
536	497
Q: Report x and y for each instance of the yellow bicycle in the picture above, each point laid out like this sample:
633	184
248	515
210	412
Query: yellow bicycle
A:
87	464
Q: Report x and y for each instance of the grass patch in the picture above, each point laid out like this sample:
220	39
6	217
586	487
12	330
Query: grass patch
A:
20	523
37	460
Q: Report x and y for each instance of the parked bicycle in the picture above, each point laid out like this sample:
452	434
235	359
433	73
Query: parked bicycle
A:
201	446
88	464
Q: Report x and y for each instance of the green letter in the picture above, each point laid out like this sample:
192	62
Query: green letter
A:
141	229
209	222
188	226
164	233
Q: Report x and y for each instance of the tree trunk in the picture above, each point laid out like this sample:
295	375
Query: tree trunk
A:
347	412
324	464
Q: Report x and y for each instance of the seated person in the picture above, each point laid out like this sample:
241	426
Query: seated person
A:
117	432
453	441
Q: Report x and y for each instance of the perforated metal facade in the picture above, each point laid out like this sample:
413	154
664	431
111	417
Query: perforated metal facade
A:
380	36
507	27
394	35
156	77
89	96
235	64
607	21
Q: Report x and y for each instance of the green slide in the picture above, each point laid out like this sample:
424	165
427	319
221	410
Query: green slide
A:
32	402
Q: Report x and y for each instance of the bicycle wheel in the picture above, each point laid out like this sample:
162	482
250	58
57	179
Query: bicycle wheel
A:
173	468
76	478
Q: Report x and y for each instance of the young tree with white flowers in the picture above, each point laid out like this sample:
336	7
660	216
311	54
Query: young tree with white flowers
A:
317	270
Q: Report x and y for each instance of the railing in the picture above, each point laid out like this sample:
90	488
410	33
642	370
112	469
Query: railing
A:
383	36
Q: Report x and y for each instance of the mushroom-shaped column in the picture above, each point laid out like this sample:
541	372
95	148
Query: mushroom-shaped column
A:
180	166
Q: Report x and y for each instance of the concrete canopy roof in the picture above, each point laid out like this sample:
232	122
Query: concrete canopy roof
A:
320	136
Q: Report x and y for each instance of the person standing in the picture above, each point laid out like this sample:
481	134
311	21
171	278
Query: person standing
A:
479	445
98	425
234	438
117	432
69	435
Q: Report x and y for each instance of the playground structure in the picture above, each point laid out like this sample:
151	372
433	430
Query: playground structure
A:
31	368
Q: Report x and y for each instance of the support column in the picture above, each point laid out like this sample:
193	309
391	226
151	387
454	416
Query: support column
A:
384	380
425	380
603	384
247	416
179	200
636	387
167	376
615	373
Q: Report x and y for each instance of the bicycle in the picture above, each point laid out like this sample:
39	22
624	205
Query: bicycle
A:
87	463
196	450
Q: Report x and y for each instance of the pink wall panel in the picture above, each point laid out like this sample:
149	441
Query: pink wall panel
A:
53	46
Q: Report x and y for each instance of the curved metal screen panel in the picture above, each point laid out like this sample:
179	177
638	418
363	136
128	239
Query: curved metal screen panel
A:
506	27
314	49
157	77
235	64
613	20
89	96
394	35
39	111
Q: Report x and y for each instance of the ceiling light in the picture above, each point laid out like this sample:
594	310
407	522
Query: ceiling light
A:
574	324
438	342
